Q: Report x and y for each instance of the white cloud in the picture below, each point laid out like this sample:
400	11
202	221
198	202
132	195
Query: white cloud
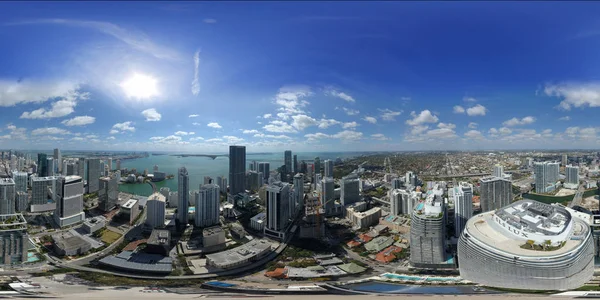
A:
196	81
469	99
389	115
493	132
329	91
214	140
423	117
184	133
195	139
196	124
349	125
302	122
27	91
111	138
474	135
253	131
325	123
458	109
441	133
380	137
291	98
477	110
232	139
419	129
505	130
77	139
214	125
58	109
472	125
515	121
136	40
348	135
279	127
575	94
565	118
172	139
49	131
271	136
371	120
15	133
151	115
446	125
316	136
122	127
283	116
79	121
193	116
350	112
266	116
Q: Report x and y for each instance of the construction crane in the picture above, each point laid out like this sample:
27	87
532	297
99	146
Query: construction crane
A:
318	208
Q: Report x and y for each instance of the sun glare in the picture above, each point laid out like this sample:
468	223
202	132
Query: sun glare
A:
140	86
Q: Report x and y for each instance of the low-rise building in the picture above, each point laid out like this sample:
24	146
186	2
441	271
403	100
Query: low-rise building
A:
68	244
364	219
379	243
130	210
258	222
159	242
213	237
239	256
139	262
94	224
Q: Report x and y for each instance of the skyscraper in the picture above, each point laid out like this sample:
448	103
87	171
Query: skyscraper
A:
22	201
208	180
58	159
118	164
156	206
572	175
39	189
81	168
396	202
263	167
51	166
252	180
277	205
93	175
565	159
329	168
69	201
207	205
349	189
495	192
42	165
397	183
463	206
317	166
109	164
237	169
498	171
295	164
428	233
7	196
20	181
108	193
183	193
327	194
287	158
299	190
546	176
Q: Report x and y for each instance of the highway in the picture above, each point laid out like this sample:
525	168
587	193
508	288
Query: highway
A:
578	196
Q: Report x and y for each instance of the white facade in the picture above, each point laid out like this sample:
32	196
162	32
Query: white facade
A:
546	176
207	206
572	175
328	168
463	206
20	181
7	196
69	201
277	205
156	210
258	222
498	171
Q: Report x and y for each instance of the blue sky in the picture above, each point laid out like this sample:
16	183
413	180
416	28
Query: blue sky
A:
331	76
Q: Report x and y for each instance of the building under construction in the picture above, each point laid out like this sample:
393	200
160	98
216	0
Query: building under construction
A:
312	224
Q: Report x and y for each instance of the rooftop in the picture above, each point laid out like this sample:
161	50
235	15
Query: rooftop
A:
535	217
139	262
130	203
212	230
242	253
7	181
159	237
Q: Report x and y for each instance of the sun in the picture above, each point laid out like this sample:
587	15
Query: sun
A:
140	86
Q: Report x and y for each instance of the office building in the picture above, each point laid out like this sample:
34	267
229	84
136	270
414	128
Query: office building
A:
565	160
498	171
327	195
7	196
156	211
130	210
527	245
42	190
495	193
572	175
328	168
258	222
207	206
349	189
295	164
118	164
93	175
22	201
20	181
263	167
287	159
108	193
69	201
303	167
58	160
237	169
546	176
397	183
463	206
252	180
428	233
299	190
51	167
183	192
81	168
277	206
42	165
316	167
14	241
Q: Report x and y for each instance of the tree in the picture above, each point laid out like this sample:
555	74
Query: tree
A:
530	243
547	243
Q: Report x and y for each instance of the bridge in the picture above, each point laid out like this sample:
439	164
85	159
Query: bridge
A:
213	156
578	196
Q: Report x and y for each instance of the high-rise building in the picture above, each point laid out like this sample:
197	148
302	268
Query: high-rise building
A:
109	163
69	201
498	171
39	190
303	167
317	166
328	168
22	201
546	176
51	168
183	190
299	190
252	180
81	168
207	206
208	180
397	183
156	210
495	193
277	205
565	160
572	175
108	194
93	175
237	169
396	199
463	206
349	189
327	193
58	160
118	164
42	165
428	233
14	241
20	181
263	167
295	164
7	196
287	159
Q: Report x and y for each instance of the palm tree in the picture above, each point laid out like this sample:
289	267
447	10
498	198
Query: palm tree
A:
547	243
530	242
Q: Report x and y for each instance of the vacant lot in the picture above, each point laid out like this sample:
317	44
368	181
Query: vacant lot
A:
110	237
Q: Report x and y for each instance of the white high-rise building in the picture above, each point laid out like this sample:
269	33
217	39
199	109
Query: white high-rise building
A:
299	190
58	160
565	159
183	192
349	189
572	176
396	202
498	171
20	181
327	193
328	168
207	206
546	176
69	201
463	206
156	207
109	164
118	164
7	196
